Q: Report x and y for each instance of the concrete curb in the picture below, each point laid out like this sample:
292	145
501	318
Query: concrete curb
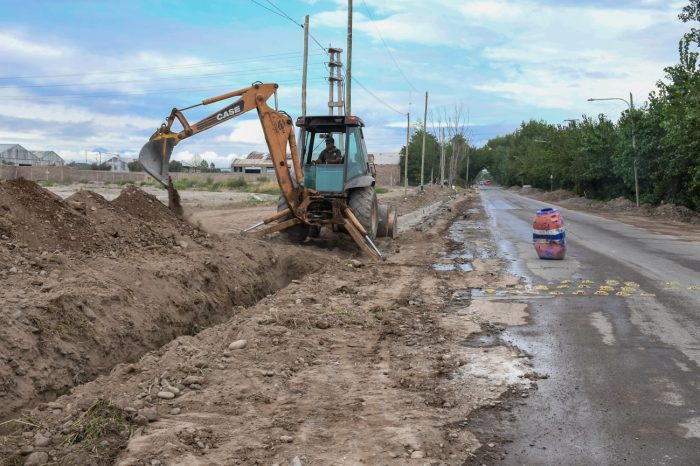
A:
411	219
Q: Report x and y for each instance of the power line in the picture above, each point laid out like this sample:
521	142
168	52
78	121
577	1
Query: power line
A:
269	9
133	70
128	94
387	48
325	50
285	15
281	13
227	73
354	79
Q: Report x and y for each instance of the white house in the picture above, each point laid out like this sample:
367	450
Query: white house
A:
14	154
255	162
49	157
119	164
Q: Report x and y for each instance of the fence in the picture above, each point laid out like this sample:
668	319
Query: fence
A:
73	175
387	175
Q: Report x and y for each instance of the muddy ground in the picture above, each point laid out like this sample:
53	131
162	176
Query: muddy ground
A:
133	337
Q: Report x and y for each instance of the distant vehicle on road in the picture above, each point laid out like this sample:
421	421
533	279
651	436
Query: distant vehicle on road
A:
487	182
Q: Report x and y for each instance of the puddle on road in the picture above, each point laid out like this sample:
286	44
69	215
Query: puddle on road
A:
482	340
452	267
486	292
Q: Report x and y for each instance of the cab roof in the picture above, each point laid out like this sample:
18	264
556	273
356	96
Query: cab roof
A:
311	122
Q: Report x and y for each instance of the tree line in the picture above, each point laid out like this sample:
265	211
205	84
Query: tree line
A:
595	156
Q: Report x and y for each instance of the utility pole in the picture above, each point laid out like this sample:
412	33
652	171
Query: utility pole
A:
335	80
442	157
306	64
348	77
466	177
422	155
405	157
634	149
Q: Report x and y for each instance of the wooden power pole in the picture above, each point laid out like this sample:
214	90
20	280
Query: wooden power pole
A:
306	63
348	77
442	157
405	157
422	155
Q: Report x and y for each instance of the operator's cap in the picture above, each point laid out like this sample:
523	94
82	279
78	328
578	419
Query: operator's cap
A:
329	138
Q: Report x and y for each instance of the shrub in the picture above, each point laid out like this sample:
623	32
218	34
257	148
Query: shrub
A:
236	183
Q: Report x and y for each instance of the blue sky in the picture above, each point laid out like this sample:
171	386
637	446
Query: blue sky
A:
76	76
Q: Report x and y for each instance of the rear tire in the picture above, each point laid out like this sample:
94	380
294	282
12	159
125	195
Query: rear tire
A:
363	203
297	233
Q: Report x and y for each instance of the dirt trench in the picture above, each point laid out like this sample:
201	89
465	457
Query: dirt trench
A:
356	363
88	284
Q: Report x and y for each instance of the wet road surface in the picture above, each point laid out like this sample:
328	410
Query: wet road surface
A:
616	327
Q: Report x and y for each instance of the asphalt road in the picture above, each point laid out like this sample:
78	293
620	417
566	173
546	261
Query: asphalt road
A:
620	342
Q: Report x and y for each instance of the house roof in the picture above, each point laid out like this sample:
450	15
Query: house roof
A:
119	159
257	155
252	163
4	147
44	154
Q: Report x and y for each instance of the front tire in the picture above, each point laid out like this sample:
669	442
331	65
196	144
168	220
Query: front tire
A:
363	203
297	233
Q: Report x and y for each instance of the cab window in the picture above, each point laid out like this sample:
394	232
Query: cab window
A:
357	165
316	143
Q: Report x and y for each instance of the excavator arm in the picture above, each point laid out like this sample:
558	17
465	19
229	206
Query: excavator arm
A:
277	127
279	135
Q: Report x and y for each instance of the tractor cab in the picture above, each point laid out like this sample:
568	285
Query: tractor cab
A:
333	153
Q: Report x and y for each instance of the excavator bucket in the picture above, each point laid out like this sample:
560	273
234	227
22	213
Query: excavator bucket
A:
155	155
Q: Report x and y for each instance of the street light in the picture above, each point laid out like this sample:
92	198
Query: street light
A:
630	104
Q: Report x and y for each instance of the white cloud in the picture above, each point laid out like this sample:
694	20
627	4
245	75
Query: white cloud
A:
13	46
247	132
194	158
71	114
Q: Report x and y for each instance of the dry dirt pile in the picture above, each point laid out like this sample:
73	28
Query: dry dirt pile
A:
88	284
359	363
617	206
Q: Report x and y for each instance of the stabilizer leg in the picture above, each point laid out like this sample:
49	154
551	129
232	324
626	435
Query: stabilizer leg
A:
277	227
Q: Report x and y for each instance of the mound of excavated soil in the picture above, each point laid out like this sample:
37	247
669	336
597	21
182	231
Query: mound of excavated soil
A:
88	284
557	195
34	216
620	205
134	219
144	206
85	222
674	212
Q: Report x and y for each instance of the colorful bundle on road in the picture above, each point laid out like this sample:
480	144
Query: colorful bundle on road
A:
548	234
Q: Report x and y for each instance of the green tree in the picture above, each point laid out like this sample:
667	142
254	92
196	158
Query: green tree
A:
100	166
135	166
432	157
175	166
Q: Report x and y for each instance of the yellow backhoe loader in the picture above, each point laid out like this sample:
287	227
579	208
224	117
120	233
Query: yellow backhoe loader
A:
314	193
